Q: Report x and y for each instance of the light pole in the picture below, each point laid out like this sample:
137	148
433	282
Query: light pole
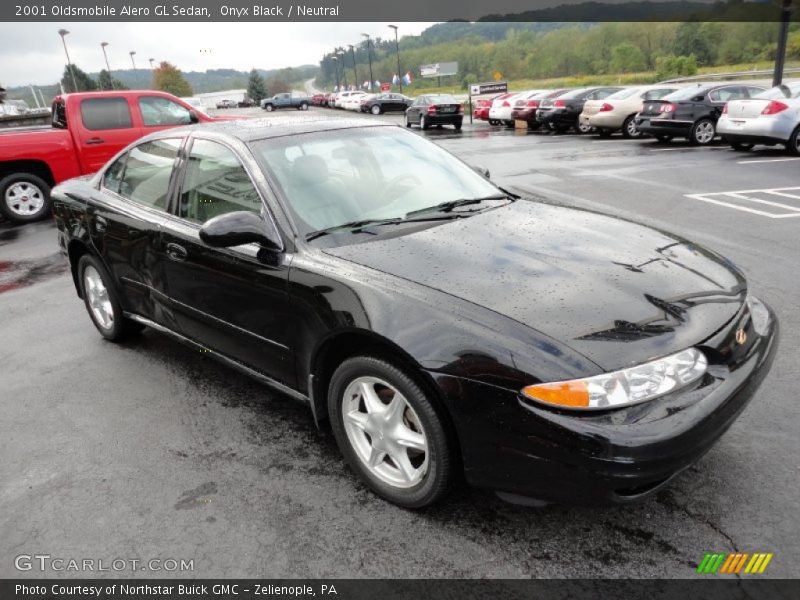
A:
369	56
63	33
355	71
152	60
397	50
108	69
344	73
336	71
132	52
780	55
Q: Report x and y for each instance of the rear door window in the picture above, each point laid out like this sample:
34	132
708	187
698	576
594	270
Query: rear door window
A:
158	111
148	171
112	178
99	114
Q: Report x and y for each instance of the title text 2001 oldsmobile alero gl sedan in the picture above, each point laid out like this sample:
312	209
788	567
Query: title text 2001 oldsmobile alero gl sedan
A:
439	323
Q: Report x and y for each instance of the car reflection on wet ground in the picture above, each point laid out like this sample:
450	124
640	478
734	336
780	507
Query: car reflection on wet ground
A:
153	448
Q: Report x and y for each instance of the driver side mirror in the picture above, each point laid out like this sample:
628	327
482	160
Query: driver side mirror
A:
239	227
481	170
193	116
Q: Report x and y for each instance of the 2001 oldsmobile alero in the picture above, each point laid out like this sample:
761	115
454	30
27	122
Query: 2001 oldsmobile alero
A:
439	323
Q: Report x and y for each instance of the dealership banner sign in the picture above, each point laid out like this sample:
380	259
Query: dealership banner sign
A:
371	11
492	87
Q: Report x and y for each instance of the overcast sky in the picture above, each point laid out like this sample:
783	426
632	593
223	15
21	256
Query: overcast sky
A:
32	52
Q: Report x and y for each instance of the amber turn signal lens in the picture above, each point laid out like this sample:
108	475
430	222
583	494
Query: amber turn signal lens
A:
563	393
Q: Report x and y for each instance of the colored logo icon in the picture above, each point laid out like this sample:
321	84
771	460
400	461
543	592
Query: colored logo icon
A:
737	562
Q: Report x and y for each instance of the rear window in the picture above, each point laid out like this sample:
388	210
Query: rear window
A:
687	94
791	90
442	99
623	94
573	94
148	171
105	113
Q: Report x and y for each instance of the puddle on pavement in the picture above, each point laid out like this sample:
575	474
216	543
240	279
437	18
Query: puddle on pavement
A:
22	273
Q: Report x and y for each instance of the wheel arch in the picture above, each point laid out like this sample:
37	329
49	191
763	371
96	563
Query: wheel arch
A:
33	167
75	250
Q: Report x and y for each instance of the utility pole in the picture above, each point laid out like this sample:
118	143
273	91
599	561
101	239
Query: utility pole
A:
108	69
397	49
336	71
783	33
355	71
369	56
63	33
340	53
152	63
132	52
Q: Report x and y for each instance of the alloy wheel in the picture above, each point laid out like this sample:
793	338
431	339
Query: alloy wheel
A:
376	110
385	432
24	198
631	129
704	132
97	296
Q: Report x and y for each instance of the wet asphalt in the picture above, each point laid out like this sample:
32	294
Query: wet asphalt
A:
152	450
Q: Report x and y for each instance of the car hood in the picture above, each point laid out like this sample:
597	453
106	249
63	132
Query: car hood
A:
617	292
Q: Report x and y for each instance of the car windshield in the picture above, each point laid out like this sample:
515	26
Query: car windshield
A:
574	93
626	93
791	90
687	93
370	173
442	99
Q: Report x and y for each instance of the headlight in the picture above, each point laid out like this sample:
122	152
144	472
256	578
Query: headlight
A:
623	388
759	314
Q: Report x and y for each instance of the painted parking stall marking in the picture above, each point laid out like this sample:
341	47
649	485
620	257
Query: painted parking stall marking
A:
774	203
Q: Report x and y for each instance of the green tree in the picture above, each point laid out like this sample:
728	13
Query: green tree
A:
2	94
256	88
627	58
691	38
675	66
106	82
168	78
85	83
276	84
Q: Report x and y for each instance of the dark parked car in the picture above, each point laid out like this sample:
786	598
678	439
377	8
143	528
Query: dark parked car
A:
690	113
525	109
435	109
367	272
381	103
561	113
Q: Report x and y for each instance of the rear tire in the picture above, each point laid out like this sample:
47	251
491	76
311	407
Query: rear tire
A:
793	145
703	132
629	129
423	123
269	108
417	471
408	122
102	302
304	106
604	133
494	122
376	109
742	147
663	139
457	126
24	198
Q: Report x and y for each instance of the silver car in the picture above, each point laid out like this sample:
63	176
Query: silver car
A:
772	117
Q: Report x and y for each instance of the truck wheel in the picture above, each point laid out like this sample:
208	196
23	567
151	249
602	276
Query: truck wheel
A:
304	106
269	108
24	198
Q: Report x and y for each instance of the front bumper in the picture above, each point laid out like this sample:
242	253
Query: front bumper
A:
758	130
609	457
657	127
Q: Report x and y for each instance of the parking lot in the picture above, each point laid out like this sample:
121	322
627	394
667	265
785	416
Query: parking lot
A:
153	450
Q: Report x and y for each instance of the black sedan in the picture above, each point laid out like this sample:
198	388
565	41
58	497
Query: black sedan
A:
438	323
690	113
436	110
561	113
383	103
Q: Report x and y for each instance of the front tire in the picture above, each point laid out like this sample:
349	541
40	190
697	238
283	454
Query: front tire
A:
375	110
702	133
629	129
793	145
24	198
102	302
389	432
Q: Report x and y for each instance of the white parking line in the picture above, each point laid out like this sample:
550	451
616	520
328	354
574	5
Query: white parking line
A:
689	148
765	160
746	196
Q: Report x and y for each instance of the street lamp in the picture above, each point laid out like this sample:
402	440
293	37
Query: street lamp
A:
152	60
108	69
397	49
132	52
369	56
344	73
336	71
355	71
63	33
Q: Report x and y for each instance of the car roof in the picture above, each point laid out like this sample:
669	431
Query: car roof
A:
249	130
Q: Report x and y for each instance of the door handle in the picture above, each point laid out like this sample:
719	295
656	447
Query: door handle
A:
100	224
177	252
95	140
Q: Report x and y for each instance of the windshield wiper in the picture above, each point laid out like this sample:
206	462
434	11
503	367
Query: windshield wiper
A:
449	206
357	226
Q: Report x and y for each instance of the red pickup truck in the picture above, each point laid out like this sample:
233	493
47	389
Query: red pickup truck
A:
87	130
